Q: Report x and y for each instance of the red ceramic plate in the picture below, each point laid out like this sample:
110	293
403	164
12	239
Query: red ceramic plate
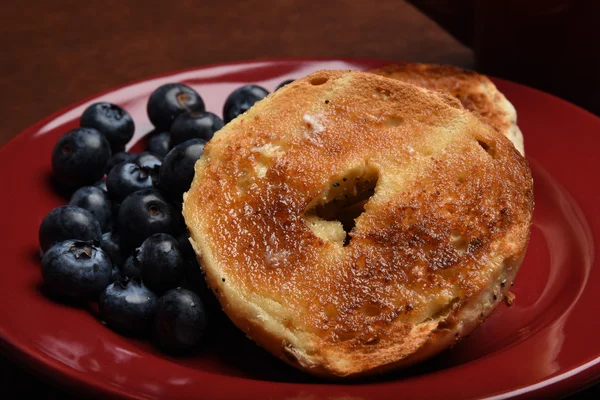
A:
546	344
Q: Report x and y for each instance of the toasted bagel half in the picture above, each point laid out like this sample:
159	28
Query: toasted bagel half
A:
351	223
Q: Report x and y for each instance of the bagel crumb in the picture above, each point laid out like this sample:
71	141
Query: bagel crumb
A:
509	299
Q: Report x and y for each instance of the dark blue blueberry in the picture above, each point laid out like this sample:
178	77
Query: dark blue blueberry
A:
80	157
161	262
179	320
111	120
193	273
177	170
76	268
282	84
171	100
127	307
68	222
116	274
187	251
96	201
241	99
196	125
144	213
148	160
118	158
131	269
111	246
101	185
159	144
126	178
194	278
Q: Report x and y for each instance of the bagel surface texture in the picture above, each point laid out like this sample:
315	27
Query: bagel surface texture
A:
476	92
351	223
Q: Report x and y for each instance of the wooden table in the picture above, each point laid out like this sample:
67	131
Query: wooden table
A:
54	53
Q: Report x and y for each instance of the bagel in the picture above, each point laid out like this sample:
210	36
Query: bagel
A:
476	92
274	215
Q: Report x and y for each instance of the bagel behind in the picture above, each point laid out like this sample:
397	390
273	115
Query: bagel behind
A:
447	202
476	92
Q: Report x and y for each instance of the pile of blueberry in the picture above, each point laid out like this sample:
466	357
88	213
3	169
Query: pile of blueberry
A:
121	241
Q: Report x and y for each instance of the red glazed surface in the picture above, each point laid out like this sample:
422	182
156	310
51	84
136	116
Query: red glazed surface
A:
546	344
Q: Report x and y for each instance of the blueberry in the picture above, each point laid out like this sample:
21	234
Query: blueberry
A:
195	125
148	160
282	84
159	144
131	269
127	307
241	99
112	247
171	100
80	157
187	251
68	222
144	213
117	158
126	178
177	171
96	201
161	262
179	321
193	273
111	120
116	274
76	268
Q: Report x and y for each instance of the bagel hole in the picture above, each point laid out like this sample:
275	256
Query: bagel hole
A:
343	204
488	148
318	81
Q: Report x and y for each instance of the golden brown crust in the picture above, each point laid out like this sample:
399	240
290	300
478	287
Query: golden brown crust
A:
448	223
476	93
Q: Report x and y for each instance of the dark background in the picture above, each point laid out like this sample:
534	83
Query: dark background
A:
53	53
